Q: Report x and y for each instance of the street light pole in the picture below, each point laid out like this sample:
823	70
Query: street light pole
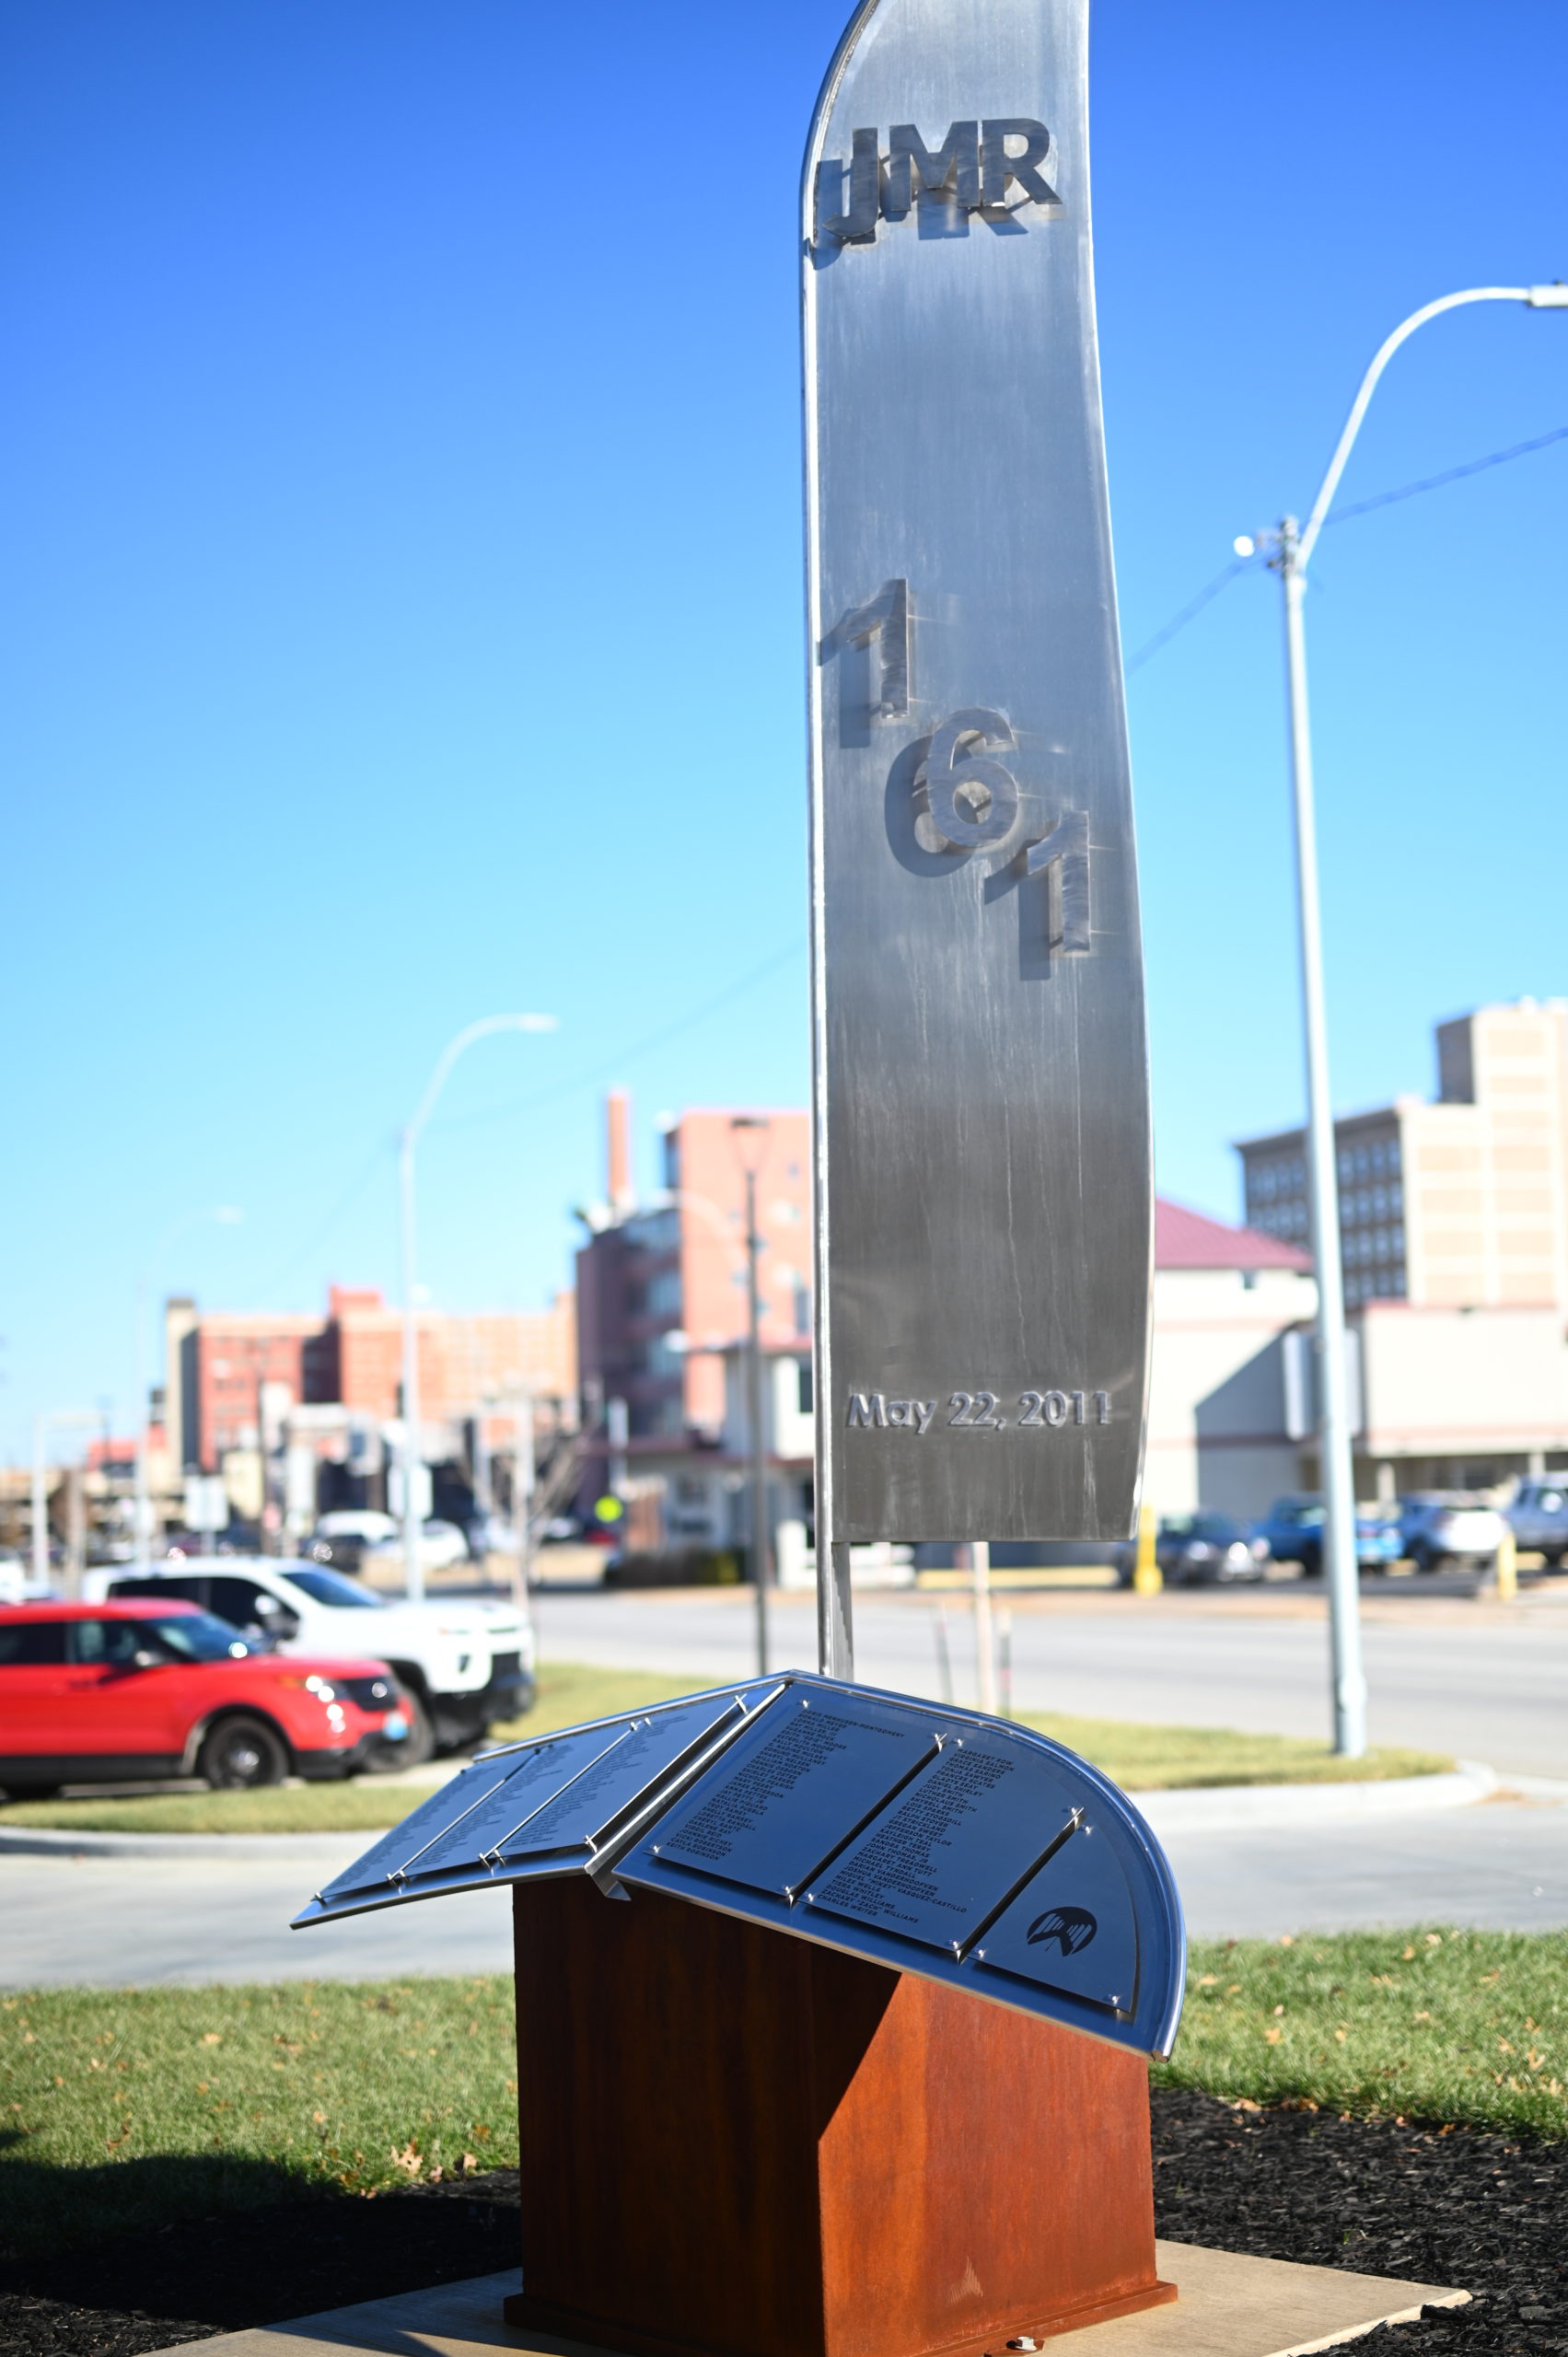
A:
408	1139
1293	552
1336	1465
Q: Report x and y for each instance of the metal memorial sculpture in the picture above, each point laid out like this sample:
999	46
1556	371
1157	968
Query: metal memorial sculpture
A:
860	2070
984	1183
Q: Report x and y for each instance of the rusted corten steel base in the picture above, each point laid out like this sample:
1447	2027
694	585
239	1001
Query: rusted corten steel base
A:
735	2142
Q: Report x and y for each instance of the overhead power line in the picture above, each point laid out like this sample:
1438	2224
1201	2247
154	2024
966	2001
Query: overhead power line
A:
1221	580
1451	475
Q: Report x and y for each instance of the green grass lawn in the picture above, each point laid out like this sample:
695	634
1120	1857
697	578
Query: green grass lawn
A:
1467	2026
120	2108
1142	1760
1151	1759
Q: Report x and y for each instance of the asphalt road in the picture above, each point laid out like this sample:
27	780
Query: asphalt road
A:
1480	1680
116	1922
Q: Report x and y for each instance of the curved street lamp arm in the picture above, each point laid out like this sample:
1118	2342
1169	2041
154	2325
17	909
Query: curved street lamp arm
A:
408	1139
454	1049
1540	297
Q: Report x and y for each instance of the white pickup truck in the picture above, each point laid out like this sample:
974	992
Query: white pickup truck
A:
463	1663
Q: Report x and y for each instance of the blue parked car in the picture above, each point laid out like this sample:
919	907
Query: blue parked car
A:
1294	1528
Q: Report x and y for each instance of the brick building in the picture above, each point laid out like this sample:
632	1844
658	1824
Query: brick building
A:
661	1288
231	1373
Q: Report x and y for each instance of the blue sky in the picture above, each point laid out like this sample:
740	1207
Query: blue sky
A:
400	461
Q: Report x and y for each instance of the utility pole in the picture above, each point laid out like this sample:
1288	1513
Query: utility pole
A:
1336	1467
754	1416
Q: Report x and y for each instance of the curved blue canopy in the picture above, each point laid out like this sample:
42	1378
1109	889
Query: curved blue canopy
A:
934	1841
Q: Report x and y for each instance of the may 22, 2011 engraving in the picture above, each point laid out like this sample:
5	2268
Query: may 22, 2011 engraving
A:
976	1411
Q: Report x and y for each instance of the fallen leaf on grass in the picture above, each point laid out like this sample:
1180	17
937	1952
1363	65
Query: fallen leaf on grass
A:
1272	2037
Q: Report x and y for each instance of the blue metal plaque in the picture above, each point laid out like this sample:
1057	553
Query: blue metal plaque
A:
931	1867
808	1774
1071	1928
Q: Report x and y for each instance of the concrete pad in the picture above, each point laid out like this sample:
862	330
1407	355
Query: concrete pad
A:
1228	2307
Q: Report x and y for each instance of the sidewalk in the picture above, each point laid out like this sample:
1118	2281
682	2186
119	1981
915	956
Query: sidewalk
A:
187	1912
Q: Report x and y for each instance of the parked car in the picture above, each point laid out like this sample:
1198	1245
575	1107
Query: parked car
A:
441	1544
102	1693
461	1665
491	1534
1192	1548
1293	1530
1538	1518
1450	1528
367	1524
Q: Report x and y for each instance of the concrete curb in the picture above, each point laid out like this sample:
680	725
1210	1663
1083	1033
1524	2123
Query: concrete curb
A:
1225	1808
43	1842
1217	1808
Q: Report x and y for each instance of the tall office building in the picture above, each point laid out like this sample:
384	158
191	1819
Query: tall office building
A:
1461	1203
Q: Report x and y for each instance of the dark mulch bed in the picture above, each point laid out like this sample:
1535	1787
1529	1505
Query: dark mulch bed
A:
258	2266
1487	2213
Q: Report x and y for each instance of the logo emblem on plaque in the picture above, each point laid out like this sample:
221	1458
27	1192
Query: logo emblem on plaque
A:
1071	1927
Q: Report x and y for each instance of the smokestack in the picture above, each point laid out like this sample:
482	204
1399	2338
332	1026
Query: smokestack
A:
618	1151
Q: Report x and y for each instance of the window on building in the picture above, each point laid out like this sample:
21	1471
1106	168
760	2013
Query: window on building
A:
664	1293
803	1392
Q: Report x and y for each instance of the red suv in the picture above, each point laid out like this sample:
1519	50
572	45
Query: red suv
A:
108	1693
